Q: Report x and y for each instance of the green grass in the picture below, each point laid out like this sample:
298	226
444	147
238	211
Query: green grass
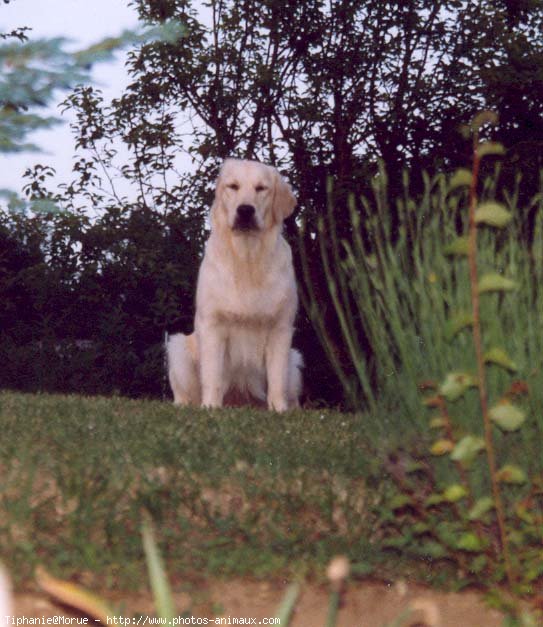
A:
232	492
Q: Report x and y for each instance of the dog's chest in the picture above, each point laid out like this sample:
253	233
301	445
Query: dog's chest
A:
247	306
246	293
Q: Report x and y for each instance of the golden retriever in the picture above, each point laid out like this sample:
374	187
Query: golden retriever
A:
246	300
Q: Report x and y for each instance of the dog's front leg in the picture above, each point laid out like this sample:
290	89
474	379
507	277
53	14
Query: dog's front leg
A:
212	350
277	354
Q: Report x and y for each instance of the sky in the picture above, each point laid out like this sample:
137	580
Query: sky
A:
84	22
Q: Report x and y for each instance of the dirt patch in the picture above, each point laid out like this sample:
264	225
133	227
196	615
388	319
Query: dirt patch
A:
364	605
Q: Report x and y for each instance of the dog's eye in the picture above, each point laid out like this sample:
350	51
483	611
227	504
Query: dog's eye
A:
261	188
233	186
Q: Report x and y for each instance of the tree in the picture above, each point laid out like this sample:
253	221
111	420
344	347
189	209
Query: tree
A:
32	71
315	88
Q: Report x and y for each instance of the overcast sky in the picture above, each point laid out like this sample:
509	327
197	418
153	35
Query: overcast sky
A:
83	22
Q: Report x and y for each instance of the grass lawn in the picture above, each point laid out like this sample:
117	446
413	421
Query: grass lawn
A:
232	492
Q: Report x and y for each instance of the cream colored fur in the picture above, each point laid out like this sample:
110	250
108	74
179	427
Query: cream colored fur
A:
246	301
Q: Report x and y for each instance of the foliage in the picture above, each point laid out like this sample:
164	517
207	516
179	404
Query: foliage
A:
78	598
31	74
317	90
84	303
31	71
490	529
396	304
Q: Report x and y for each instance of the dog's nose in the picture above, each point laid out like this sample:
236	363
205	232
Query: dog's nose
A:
245	218
246	212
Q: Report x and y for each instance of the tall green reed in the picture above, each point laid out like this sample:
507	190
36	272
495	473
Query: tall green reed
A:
393	293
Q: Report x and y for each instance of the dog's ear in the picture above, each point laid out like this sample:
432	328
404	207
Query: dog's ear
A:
217	201
284	200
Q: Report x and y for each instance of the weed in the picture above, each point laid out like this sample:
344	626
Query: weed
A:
393	294
491	530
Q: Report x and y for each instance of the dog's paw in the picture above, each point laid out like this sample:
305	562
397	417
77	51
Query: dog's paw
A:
279	404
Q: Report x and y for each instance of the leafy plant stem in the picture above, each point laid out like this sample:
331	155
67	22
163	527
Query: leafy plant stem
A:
478	343
442	404
450	434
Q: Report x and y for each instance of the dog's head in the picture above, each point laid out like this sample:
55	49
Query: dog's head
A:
251	197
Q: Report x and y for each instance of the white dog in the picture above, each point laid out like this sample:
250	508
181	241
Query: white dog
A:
246	300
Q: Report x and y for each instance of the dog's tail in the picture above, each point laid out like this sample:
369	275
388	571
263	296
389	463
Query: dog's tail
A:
181	359
295	381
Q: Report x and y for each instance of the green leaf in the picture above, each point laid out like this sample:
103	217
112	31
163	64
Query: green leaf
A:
413	466
421	528
399	501
481	507
454	493
461	178
447	533
467	449
399	542
522	511
493	214
517	537
511	474
507	416
494	282
434	499
458	247
438	423
499	357
441	447
470	542
433	549
455	384
532	573
490	148
457	323
478	564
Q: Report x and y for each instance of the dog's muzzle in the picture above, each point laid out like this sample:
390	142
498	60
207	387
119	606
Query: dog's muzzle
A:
245	219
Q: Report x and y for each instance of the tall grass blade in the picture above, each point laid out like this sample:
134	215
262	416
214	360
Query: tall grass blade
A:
333	606
284	612
157	573
405	295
